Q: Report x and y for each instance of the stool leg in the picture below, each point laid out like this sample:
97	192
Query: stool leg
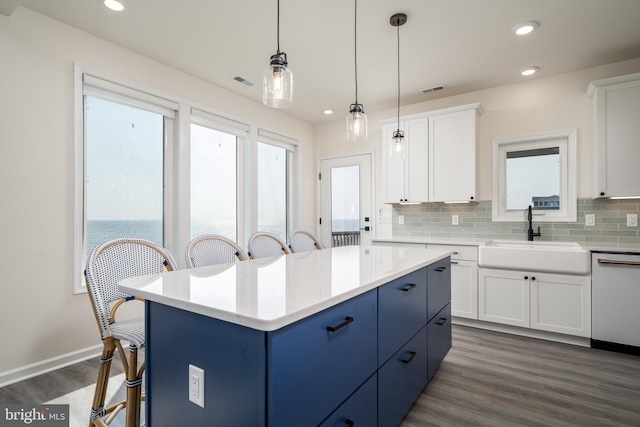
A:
134	389
99	396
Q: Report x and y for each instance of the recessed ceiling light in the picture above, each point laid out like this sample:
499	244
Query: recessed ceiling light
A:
524	28
328	112
529	71
115	5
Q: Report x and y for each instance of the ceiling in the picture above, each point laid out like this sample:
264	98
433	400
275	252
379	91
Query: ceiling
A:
465	45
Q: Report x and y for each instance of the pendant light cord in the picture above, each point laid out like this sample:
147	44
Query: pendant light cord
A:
398	29
355	46
278	28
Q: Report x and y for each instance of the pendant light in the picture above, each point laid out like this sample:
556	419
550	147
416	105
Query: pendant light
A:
356	120
277	80
397	147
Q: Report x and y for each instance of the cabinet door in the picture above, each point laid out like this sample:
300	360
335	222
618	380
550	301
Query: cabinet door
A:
402	311
503	296
561	303
452	156
464	289
438	339
401	380
359	409
438	286
416	136
312	370
618	133
395	171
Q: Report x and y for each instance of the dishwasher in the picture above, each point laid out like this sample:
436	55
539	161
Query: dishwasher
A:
615	301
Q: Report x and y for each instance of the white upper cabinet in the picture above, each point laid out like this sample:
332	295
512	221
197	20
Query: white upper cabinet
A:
406	178
440	161
452	156
617	136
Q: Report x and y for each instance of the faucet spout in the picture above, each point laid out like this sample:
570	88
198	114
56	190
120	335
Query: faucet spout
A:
530	232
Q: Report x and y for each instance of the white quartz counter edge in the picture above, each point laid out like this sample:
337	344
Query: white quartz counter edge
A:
432	241
140	286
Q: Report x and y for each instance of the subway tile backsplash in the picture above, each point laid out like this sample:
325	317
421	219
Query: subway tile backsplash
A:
434	220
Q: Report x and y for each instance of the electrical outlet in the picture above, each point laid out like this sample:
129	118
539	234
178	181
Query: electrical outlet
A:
632	220
590	220
401	219
196	385
455	220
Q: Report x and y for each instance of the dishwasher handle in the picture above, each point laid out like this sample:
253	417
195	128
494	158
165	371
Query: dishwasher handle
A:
617	262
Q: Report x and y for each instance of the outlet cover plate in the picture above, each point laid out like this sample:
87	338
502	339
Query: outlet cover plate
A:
196	385
632	220
590	220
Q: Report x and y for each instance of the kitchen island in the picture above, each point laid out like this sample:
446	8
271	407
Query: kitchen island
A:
341	336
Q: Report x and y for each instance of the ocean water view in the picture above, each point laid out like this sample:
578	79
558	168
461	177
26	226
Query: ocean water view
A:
100	231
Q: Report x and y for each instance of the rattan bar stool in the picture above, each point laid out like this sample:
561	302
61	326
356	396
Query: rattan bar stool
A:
303	241
107	264
212	249
264	244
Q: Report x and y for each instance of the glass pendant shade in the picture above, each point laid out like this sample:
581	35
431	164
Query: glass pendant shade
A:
277	83
397	147
356	123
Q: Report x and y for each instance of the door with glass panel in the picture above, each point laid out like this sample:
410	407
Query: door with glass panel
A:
345	201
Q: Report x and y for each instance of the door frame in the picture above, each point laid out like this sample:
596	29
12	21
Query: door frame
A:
319	203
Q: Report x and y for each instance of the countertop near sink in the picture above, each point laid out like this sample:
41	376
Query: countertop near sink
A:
432	240
599	247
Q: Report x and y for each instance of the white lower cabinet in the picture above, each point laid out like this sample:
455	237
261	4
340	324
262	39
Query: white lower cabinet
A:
464	279
558	303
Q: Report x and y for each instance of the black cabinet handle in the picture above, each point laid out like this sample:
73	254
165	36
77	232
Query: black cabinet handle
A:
412	354
349	423
533	277
454	262
441	269
441	321
347	320
408	287
526	277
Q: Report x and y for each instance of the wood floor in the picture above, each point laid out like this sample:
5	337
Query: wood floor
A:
487	379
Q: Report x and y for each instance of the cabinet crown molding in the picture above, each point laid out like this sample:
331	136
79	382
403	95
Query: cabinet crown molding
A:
475	106
595	84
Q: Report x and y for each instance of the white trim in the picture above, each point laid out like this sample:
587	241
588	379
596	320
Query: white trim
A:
34	369
219	123
278	140
594	85
475	106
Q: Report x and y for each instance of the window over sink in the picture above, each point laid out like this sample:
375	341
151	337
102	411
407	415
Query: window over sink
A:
538	170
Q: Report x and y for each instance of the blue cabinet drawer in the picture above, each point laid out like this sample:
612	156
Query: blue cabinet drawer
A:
312	369
401	380
359	409
439	338
438	286
402	311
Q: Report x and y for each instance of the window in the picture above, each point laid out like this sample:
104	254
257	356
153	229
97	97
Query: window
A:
537	171
120	166
275	164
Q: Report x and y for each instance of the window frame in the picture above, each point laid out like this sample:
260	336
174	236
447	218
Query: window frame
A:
568	176
93	84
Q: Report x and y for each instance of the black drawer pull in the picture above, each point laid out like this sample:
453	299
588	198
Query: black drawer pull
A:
412	354
441	269
441	321
349	423
454	262
408	287
347	320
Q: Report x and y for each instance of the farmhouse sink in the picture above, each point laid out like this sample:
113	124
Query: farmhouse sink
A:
550	257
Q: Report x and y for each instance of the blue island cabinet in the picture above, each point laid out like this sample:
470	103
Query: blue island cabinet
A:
362	362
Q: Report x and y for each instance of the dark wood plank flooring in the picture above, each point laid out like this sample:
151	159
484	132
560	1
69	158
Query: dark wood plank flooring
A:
487	379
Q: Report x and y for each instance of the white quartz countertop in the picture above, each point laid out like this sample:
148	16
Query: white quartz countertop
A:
432	240
269	293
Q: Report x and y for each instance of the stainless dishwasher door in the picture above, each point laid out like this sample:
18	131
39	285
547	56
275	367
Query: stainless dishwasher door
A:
615	298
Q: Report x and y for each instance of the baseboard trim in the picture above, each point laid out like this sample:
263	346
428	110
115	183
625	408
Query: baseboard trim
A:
28	371
525	332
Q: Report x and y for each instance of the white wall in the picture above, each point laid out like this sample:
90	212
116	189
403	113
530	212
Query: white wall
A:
541	105
41	318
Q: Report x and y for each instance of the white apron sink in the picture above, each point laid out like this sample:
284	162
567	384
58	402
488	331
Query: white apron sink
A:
550	257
